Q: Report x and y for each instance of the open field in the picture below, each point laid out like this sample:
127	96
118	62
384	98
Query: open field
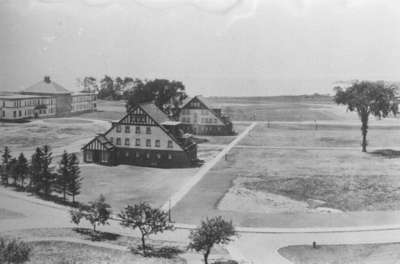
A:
123	185
59	133
107	110
326	135
343	254
261	186
51	252
7	214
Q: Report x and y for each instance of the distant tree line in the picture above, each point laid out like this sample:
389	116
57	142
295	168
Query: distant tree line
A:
164	93
39	176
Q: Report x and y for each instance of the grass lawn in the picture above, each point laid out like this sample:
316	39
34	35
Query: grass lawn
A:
345	180
58	133
54	252
343	254
305	135
7	214
124	184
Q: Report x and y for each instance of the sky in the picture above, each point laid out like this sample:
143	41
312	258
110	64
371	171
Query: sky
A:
215	47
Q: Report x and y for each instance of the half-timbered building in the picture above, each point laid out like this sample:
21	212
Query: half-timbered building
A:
198	118
145	136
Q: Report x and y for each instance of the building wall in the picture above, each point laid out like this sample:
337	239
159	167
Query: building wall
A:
199	116
83	103
24	108
156	134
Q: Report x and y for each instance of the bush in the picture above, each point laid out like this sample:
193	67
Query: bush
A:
226	262
14	251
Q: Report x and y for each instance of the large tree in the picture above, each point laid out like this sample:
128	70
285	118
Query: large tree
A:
36	170
5	166
47	176
211	232
161	91
63	175
22	169
97	213
74	182
145	218
368	98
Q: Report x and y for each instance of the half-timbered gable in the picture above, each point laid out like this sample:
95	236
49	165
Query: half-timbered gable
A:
100	150
146	136
198	118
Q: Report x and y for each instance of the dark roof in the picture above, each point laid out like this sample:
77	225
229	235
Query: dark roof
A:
103	140
46	87
154	112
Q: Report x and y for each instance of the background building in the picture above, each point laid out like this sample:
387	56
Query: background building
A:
17	107
44	99
198	118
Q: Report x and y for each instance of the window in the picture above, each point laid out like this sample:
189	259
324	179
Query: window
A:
104	156
147	155
148	142
127	143
157	143
127	129
169	156
118	128
15	113
19	113
112	140
148	130
127	153
170	144
158	156
138	142
137	154
137	131
89	156
118	141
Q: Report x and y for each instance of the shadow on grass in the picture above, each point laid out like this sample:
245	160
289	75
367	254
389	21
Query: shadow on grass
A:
168	252
96	235
387	153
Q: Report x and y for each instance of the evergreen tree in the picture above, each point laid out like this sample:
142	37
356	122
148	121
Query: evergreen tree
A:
47	177
63	175
22	169
74	182
12	170
36	169
5	159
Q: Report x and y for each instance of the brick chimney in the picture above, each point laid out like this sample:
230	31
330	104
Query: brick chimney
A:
47	79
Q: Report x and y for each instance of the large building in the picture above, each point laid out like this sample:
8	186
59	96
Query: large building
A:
198	118
44	99
14	107
145	136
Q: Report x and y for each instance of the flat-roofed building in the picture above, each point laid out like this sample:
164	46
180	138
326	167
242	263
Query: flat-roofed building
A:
17	107
83	102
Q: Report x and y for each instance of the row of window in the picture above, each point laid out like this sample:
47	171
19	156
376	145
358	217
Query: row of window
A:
137	129
104	156
157	142
30	112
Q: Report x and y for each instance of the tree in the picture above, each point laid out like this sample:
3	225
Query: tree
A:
147	219
5	159
47	177
368	98
97	213
13	170
106	88
14	251
36	170
161	91
63	174
22	168
74	182
211	232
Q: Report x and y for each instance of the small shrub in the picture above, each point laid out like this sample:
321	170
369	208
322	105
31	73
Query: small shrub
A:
14	251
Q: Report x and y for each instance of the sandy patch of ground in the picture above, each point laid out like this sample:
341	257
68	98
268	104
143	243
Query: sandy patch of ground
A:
8	214
241	199
344	254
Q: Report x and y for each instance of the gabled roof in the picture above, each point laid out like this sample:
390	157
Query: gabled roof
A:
201	98
46	87
103	141
155	113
